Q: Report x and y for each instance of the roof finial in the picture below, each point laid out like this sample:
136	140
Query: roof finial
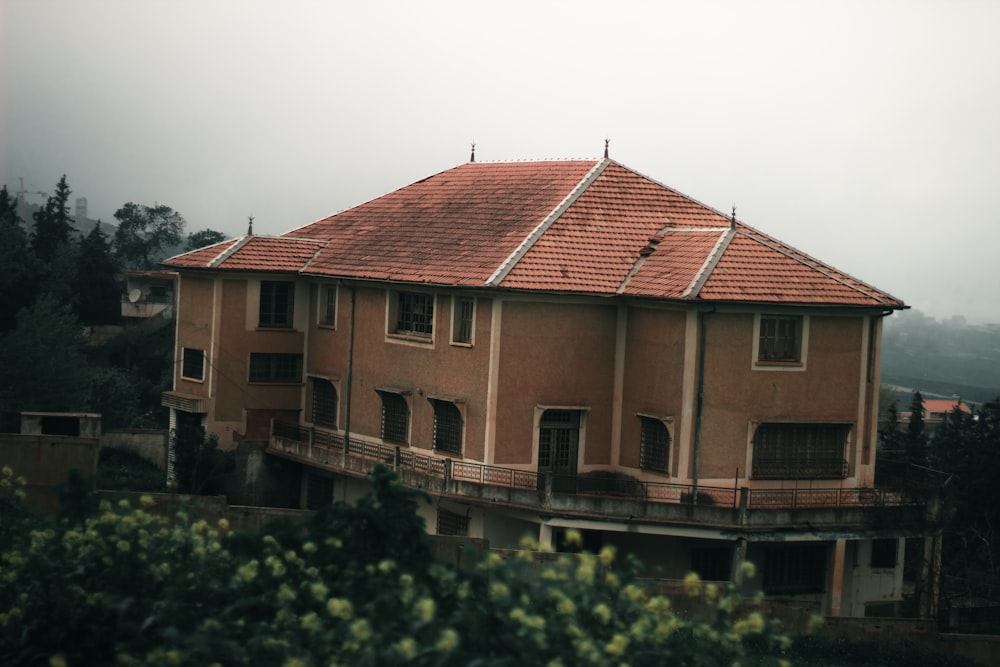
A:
250	226
473	157
732	220
606	142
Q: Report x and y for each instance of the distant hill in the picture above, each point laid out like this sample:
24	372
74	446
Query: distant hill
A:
949	358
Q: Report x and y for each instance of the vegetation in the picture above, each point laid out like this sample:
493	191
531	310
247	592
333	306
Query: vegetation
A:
350	584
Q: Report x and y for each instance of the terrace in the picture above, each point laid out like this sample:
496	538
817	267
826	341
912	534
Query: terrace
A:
609	494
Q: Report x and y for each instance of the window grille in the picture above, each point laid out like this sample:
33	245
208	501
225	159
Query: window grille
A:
447	427
395	417
800	451
654	445
794	569
273	367
464	310
328	305
324	403
780	339
415	313
193	364
452	523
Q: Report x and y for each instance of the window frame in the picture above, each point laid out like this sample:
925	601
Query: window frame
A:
463	321
318	416
403	315
448	435
781	450
451	523
327	304
762	360
185	367
269	313
274	374
794	568
647	460
394	425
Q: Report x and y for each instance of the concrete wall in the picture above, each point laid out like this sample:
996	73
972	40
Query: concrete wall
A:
45	461
148	443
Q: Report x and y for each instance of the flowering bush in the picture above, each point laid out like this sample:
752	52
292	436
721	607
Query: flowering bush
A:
349	585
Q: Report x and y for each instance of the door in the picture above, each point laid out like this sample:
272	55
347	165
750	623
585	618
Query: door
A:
558	443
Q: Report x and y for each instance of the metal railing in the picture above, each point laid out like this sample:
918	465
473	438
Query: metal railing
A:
327	448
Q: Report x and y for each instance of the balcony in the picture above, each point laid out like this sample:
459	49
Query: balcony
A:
609	494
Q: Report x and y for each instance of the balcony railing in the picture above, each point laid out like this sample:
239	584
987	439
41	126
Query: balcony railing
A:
326	448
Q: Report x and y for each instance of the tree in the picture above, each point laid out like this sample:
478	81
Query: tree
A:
205	237
18	268
97	280
915	438
53	224
42	360
144	233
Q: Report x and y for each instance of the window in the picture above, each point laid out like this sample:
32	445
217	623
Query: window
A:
712	563
447	427
780	339
271	367
463	309
558	439
800	451
324	403
884	553
193	364
794	568
452	523
319	490
328	305
277	302
414	313
395	417
654	445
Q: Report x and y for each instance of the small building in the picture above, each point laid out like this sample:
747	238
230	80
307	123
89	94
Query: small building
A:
545	346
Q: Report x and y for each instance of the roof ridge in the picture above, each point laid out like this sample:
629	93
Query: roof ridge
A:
508	264
830	272
322	246
226	254
705	272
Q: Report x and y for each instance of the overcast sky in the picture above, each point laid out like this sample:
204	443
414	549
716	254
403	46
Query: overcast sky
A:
866	134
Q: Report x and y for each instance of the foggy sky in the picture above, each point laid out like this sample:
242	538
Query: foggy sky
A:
866	134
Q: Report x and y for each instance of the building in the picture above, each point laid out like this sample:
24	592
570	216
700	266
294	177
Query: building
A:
568	344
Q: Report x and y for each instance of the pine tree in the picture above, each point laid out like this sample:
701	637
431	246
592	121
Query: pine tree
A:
53	224
97	280
18	269
916	439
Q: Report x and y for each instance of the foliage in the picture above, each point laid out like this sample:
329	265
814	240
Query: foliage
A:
18	268
53	224
120	469
97	280
205	237
144	233
200	464
348	585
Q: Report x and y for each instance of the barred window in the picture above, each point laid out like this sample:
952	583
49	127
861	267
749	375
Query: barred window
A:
395	417
193	364
273	367
414	313
800	451
558	437
464	309
452	523
447	427
324	403
277	300
712	563
654	445
780	339
794	569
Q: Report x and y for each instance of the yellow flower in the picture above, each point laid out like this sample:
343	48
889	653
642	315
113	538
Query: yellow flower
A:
573	538
8	471
248	572
448	640
566	606
361	630
585	573
749	569
294	662
633	593
692	583
602	612
386	566
340	608
223	523
146	500
285	593
499	590
407	647
57	660
309	622
319	591
606	556
617	645
308	547
424	609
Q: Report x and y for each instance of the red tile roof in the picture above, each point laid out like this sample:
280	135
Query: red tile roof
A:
589	227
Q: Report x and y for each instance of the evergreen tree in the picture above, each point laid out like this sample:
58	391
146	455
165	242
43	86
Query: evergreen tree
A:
97	280
53	224
916	439
18	269
144	233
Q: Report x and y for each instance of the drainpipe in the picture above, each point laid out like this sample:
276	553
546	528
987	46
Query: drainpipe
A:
347	392
695	449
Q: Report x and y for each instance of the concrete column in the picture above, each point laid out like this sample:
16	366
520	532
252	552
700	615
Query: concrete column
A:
739	557
837	577
545	535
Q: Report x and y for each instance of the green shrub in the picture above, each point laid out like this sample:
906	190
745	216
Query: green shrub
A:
350	585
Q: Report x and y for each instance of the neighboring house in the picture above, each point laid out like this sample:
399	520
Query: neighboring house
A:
935	411
569	344
148	295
